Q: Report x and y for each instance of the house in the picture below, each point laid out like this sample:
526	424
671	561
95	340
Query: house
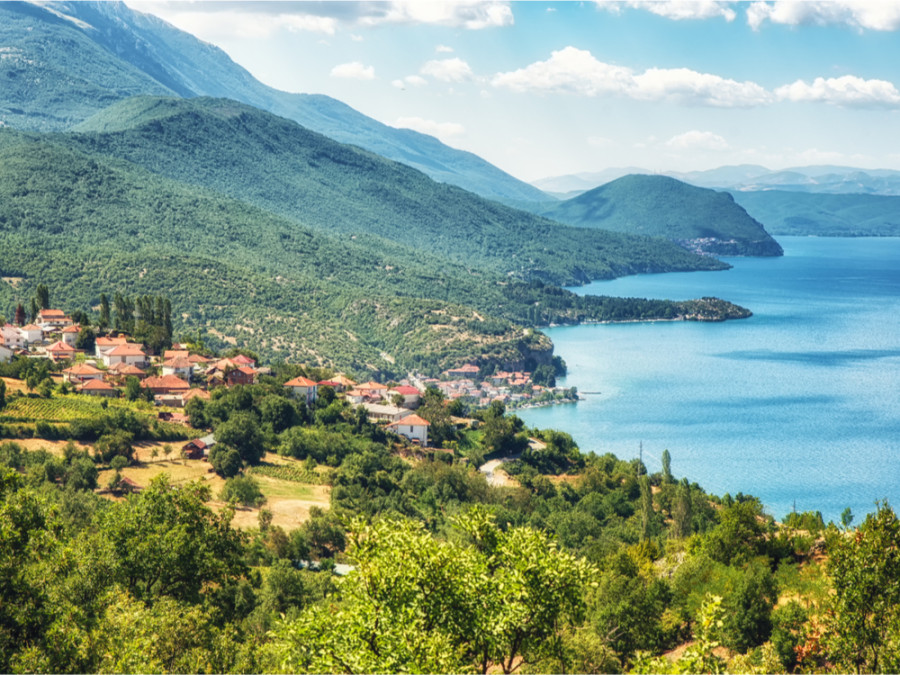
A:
11	337
104	345
122	371
242	360
199	447
468	371
179	366
343	382
52	319
60	351
198	359
303	388
81	373
129	353
242	375
194	393
384	413
175	354
355	396
165	384
412	427
411	395
31	333
98	388
6	353
372	389
69	334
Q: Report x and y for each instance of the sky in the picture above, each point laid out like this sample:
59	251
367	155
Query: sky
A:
543	89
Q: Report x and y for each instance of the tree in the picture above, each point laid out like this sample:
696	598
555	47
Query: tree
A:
20	315
682	511
42	294
225	460
416	603
666	466
2	393
863	619
243	490
166	542
241	431
132	388
103	323
113	444
34	310
646	508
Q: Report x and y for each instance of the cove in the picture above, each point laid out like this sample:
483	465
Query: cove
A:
798	405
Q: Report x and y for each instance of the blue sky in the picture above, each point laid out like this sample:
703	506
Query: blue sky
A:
551	88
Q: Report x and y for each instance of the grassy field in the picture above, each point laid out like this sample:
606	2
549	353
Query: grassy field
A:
289	501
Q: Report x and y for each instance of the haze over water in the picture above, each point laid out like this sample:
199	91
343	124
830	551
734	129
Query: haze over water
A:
798	404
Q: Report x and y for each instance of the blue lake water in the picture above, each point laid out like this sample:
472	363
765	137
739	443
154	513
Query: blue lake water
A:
798	405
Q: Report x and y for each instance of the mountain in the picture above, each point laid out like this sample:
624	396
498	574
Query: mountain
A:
700	219
276	164
835	215
64	61
748	177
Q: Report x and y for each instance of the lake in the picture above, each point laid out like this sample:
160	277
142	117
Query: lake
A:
798	405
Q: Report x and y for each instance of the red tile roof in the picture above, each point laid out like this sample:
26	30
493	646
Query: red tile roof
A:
127	349
60	346
300	382
406	390
96	385
165	382
411	420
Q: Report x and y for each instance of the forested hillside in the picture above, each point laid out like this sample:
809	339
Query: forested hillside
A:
825	215
276	164
698	218
84	224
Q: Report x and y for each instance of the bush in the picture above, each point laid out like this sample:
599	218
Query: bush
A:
243	490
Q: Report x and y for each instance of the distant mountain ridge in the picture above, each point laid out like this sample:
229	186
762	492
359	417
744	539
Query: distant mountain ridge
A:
698	219
746	178
67	60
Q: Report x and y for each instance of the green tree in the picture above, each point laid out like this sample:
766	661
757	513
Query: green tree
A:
103	323
42	294
167	542
2	394
416	603
666	466
243	490
682	511
241	431
863	626
113	444
225	460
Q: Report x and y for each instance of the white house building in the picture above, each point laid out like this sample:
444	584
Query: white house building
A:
413	427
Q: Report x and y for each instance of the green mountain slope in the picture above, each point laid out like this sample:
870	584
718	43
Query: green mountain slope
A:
278	165
697	218
86	224
68	60
832	215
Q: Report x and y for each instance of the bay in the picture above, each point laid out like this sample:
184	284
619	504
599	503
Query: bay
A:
798	405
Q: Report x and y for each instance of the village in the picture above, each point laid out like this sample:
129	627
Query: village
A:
172	378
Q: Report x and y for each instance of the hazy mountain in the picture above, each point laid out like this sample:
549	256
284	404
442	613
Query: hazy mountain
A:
803	213
697	218
748	177
64	61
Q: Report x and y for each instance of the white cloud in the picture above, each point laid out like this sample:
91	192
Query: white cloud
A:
697	140
568	70
882	15
443	130
443	49
686	9
215	22
447	70
688	86
356	38
410	81
469	14
576	71
353	71
848	91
